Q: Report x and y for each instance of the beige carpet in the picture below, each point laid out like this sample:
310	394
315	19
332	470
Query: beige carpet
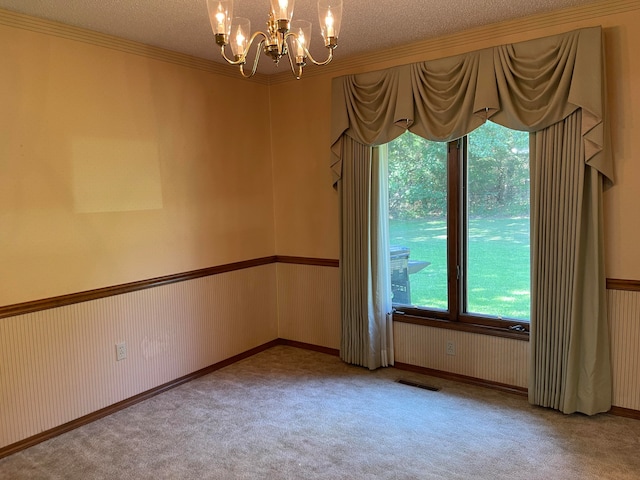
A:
289	413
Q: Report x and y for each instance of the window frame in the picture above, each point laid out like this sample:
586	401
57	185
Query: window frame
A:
454	317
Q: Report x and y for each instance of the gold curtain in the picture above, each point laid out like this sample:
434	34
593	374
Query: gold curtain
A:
525	86
569	369
528	86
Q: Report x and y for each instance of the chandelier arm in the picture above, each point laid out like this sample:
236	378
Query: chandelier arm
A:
298	74
255	62
245	75
243	57
254	36
320	63
308	53
229	61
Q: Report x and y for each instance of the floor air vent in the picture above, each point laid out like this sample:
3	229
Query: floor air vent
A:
419	385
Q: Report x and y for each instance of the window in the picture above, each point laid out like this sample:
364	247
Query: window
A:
459	227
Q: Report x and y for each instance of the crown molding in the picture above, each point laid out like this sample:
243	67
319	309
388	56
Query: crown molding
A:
468	39
56	29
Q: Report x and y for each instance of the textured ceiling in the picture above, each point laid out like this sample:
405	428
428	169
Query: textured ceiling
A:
183	25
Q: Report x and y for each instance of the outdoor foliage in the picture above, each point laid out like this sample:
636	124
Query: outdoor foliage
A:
497	181
417	178
498	174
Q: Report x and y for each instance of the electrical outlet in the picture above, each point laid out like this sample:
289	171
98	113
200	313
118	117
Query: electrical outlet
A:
121	351
451	348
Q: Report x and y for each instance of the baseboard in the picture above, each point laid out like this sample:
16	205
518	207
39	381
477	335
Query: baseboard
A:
462	378
309	346
414	368
625	412
91	417
617	411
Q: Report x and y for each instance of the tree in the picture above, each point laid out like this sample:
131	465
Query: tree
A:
498	174
417	177
498	171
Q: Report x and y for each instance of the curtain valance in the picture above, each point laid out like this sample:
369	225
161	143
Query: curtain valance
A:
525	86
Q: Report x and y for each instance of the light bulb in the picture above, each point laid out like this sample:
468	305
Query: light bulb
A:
240	38
329	23
301	43
283	8
220	17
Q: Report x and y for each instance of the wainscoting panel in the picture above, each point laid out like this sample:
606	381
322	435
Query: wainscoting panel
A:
624	325
309	304
496	359
507	361
59	364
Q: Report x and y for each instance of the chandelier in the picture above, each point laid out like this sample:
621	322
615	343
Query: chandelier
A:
283	37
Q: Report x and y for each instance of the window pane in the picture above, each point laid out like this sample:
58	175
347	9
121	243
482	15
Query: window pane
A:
418	221
498	268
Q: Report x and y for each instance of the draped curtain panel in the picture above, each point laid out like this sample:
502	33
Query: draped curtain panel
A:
570	343
367	334
354	252
380	303
529	86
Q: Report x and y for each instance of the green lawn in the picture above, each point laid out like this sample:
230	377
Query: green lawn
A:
498	278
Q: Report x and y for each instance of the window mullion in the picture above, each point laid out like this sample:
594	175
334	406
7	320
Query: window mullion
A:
463	226
454	151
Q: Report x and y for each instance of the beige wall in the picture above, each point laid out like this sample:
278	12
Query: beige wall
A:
622	230
306	206
116	167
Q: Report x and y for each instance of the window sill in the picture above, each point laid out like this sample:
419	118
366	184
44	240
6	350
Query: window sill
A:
462	326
